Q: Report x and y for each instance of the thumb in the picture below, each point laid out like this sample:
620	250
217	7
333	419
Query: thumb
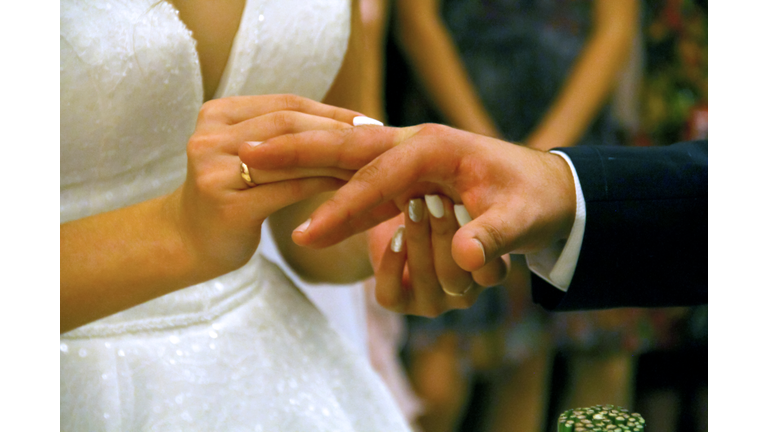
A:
484	239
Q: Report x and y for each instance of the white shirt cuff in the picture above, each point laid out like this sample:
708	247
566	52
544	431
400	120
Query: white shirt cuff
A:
557	263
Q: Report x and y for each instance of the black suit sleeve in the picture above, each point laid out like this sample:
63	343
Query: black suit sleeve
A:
645	240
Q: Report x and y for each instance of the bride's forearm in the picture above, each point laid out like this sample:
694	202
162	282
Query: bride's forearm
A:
115	260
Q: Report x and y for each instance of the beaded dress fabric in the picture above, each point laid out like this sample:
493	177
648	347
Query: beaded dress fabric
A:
245	351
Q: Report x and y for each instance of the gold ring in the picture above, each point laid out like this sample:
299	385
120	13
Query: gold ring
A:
246	175
461	294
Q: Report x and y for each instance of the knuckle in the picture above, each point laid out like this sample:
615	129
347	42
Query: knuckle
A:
205	183
281	122
368	174
198	145
291	102
210	109
493	234
433	129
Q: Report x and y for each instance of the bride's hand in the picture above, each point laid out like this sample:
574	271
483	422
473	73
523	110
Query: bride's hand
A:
118	259
414	269
218	214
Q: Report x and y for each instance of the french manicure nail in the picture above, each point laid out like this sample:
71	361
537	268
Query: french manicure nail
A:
416	209
435	205
397	239
253	143
303	227
462	215
363	120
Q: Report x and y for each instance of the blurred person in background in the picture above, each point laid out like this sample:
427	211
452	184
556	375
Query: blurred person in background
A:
539	73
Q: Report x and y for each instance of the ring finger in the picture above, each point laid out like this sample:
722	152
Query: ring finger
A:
427	297
453	279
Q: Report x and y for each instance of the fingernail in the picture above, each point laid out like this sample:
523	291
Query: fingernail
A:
303	227
482	249
415	209
397	239
363	120
253	143
462	215
435	205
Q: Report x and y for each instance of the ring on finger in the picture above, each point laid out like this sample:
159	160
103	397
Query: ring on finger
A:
461	294
246	175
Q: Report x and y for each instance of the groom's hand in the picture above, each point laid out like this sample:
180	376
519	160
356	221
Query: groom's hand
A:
521	200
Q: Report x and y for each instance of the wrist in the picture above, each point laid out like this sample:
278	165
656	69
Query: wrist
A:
194	263
566	196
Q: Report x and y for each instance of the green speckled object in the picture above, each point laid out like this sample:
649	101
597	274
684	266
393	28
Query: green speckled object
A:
600	418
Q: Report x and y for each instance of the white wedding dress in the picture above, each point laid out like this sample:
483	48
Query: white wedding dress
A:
245	351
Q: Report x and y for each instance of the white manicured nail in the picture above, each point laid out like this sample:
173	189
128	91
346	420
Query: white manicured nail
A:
435	205
253	143
397	239
363	120
462	215
416	209
303	227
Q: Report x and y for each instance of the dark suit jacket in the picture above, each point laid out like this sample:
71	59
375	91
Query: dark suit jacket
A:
645	240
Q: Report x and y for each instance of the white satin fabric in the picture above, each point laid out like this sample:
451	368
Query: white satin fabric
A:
245	351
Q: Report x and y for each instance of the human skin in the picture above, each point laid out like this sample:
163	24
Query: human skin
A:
211	224
423	278
521	200
591	78
431	52
417	279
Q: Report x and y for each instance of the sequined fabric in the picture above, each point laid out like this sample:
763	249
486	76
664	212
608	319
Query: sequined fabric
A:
245	351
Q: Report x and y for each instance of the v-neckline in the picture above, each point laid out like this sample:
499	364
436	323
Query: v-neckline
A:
224	78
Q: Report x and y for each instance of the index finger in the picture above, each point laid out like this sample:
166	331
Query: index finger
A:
349	149
398	173
236	109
